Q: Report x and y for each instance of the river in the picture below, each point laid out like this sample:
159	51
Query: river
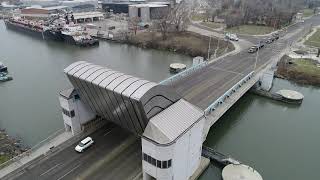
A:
281	141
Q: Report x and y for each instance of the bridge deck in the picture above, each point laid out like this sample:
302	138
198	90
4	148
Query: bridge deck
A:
207	85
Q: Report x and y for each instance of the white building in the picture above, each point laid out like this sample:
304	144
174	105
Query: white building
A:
74	112
172	143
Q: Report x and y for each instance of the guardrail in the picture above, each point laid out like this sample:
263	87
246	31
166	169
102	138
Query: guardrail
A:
183	73
227	94
29	151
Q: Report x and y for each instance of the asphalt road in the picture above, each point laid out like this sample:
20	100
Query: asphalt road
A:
205	86
116	154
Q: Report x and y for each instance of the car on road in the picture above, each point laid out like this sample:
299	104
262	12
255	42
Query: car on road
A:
253	49
269	40
84	144
256	47
275	36
232	37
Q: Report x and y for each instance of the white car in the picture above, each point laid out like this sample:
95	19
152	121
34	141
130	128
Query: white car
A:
84	144
232	37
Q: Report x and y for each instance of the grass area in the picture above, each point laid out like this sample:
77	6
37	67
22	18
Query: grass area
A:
250	29
198	17
307	66
307	12
181	42
314	40
212	25
302	71
4	158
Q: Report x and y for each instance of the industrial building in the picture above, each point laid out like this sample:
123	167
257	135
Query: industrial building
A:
169	126
122	6
40	12
148	12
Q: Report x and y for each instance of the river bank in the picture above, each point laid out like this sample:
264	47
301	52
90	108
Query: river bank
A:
186	43
9	147
299	70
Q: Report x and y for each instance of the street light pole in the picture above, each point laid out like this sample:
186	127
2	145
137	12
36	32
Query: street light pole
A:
255	64
209	48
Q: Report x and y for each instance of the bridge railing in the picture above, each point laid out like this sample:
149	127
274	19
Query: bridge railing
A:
227	94
184	73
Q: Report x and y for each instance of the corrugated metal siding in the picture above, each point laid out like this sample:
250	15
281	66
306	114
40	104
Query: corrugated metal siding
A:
117	96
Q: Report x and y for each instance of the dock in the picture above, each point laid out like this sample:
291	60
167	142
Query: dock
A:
232	168
218	157
286	96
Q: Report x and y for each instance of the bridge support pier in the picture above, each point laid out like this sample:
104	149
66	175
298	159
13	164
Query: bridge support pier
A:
266	80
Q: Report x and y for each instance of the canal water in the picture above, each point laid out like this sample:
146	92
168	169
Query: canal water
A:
29	107
281	141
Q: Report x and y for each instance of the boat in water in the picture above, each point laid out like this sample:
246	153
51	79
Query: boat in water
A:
3	68
34	28
75	34
4	76
53	30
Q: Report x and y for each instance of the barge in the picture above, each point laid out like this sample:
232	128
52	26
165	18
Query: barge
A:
69	33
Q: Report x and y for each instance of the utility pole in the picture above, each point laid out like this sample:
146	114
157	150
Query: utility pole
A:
255	64
209	48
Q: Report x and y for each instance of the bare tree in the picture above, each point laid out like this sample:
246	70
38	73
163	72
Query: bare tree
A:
171	20
134	24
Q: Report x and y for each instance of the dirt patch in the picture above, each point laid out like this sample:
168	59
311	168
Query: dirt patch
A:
301	71
187	43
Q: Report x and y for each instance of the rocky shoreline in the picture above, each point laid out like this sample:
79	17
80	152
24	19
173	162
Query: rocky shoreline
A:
9	147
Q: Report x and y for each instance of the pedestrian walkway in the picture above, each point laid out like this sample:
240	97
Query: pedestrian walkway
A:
42	148
239	46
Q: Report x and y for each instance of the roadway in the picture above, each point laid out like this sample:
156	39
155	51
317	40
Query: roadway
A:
116	154
203	87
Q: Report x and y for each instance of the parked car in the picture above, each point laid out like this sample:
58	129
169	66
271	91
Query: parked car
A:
275	36
84	144
253	49
269	40
232	37
260	44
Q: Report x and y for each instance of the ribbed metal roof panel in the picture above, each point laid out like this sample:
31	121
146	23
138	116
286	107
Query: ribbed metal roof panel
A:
142	90
90	72
133	87
110	79
97	73
103	76
73	65
169	124
78	68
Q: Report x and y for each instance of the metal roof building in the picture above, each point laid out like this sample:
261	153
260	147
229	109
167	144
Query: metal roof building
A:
126	100
167	126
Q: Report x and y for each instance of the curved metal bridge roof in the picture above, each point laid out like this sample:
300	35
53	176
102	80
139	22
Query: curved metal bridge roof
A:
126	100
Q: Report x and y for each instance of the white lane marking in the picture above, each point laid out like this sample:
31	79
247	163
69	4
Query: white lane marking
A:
50	169
107	132
69	172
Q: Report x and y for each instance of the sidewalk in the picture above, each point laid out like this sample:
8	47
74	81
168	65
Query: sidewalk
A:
239	45
28	156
